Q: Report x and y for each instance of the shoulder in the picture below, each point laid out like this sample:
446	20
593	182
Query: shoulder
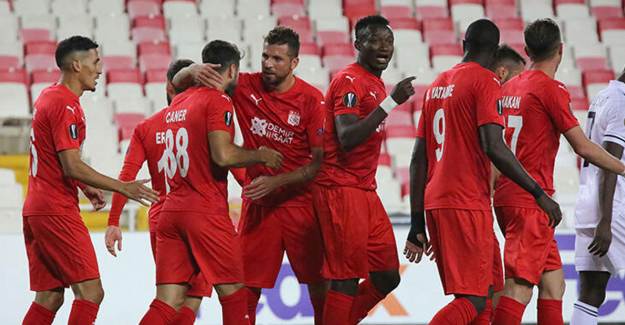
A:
553	87
309	91
345	79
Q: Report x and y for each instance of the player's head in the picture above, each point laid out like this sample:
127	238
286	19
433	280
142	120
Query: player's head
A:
508	63
481	41
280	56
374	42
543	41
174	68
228	56
78	56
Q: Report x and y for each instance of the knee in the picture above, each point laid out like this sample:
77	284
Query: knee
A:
387	281
553	290
51	300
95	295
348	287
519	291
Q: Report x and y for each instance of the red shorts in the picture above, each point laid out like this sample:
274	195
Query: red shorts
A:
462	241
531	248
197	248
497	266
267	232
357	233
60	252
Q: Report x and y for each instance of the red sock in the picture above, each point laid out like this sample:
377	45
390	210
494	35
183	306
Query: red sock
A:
368	296
485	316
38	315
234	308
185	316
317	303
550	312
337	308
459	311
159	313
83	312
508	312
252	304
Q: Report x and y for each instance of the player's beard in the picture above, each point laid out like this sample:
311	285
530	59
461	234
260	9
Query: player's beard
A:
272	80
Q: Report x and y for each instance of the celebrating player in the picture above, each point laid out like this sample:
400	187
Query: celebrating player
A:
462	122
280	111
195	236
58	245
537	109
357	233
599	249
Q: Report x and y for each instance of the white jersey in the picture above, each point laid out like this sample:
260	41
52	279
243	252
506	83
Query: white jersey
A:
606	122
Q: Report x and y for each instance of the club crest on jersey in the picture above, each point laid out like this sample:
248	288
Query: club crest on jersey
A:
499	107
228	118
73	131
293	118
350	100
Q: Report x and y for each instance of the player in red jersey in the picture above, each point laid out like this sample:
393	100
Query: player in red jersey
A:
280	111
462	123
195	236
538	112
357	233
58	245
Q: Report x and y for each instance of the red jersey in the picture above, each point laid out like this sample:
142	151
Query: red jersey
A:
196	183
458	102
537	110
290	123
353	90
147	144
58	125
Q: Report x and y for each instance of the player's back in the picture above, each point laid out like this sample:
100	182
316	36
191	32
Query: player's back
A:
606	122
356	91
458	102
537	110
58	124
196	183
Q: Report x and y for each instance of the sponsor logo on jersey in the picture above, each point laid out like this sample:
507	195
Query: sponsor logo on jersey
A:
294	118
73	131
350	100
263	128
228	118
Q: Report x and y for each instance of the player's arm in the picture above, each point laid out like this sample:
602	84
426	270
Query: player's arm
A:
264	185
504	160
95	196
494	175
74	167
226	154
198	74
607	186
417	241
592	152
352	131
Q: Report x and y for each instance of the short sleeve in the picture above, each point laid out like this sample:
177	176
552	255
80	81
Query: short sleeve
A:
316	120
345	96
421	126
488	104
65	125
220	114
558	105
615	129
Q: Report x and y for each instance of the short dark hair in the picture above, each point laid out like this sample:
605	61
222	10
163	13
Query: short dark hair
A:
176	66
542	39
481	35
505	52
71	45
221	52
375	21
281	35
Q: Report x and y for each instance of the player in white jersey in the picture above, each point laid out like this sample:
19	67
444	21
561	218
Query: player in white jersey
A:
600	209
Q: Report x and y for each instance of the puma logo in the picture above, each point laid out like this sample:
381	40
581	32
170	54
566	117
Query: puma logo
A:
374	95
350	78
256	100
71	109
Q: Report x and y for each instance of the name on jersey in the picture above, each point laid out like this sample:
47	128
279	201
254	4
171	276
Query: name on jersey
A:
263	128
176	116
440	92
160	137
511	102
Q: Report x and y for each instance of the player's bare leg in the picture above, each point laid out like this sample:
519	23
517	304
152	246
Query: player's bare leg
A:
593	286
550	293
44	307
51	300
317	293
371	292
169	298
233	299
186	313
87	298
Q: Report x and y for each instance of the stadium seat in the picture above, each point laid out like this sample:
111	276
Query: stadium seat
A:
75	25
398	117
126	123
40	56
596	80
301	25
511	36
566	9
617	57
217	8
5	8
155	87
536	9
148	34
397	9
47	21
11	54
125	84
190	29
31	7
106	7
226	28
14	94
428	9
191	51
438	31
35	35
253	8
391	76
385	169
41	80
612	31
579	104
120	52
606	8
332	30
9	27
143	8
572	78
445	56
318	77
501	9
337	56
64	8
254	29
356	9
581	31
591	57
112	28
177	9
288	8
325	9
399	143
466	10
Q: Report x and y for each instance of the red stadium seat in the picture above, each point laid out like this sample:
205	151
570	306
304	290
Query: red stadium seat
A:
126	123
402	131
600	76
576	92
13	76
9	62
41	47
337	56
502	11
439	31
284	8
148	34
385	160
446	49
157	76
409	23
154	48
47	76
125	76
139	8
592	63
40	56
309	48
500	2
603	12
356	9
579	104
429	12
35	34
332	37
510	23
302	25
509	36
399	117
397	11
152	21
154	61
614	26
117	62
